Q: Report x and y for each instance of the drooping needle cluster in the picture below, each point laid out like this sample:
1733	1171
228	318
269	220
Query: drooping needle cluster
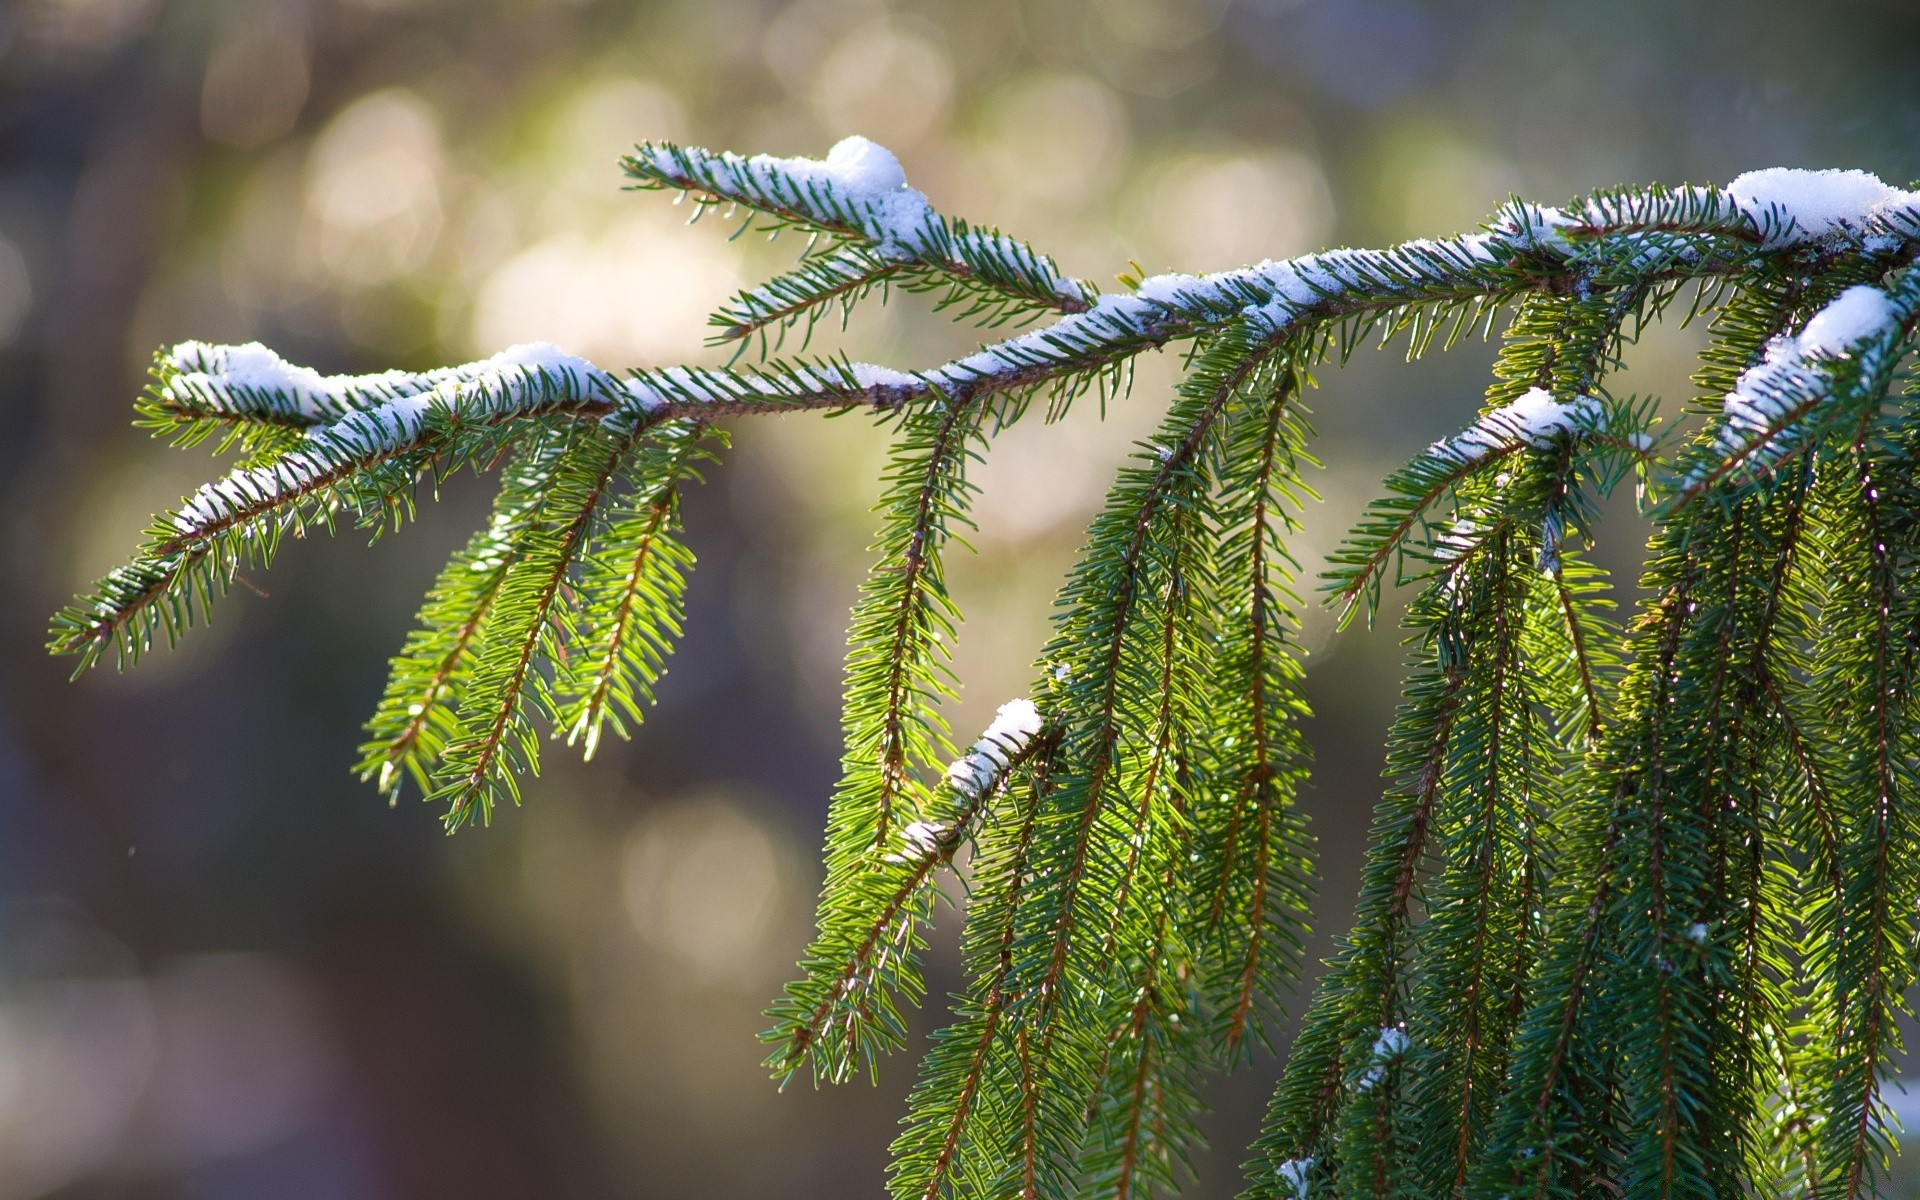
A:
1640	906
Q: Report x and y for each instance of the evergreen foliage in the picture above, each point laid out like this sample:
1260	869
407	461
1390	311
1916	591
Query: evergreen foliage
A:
1641	902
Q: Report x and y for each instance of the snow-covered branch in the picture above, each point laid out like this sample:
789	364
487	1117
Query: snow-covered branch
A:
1846	348
859	193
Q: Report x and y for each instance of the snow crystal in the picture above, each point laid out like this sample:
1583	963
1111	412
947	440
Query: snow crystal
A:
1698	934
1293	1173
1014	727
1805	205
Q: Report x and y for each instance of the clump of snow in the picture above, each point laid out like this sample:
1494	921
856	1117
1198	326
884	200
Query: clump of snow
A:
251	378
1536	226
1698	933
865	165
1293	1173
1535	419
1798	206
202	369
1391	1044
1854	316
1785	382
1538	418
858	176
1014	727
1388	1046
868	375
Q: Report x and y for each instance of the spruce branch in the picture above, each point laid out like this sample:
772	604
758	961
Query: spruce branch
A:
1639	906
870	938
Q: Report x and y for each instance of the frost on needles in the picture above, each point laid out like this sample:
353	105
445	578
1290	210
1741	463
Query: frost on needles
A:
1639	905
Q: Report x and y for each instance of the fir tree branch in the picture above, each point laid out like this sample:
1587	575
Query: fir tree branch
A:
416	714
1636	930
630	594
858	194
927	1158
854	964
524	627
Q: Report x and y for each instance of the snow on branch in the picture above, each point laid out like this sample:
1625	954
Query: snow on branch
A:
1005	741
973	777
358	421
418	411
858	188
523	381
1849	340
252	381
858	191
1791	206
1775	209
1535	419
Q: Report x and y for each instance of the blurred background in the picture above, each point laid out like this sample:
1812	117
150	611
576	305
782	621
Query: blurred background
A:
226	968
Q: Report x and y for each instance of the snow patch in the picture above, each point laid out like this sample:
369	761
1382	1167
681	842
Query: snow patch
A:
254	378
1785	382
922	840
1388	1046
1801	206
868	375
1854	316
515	377
1014	727
858	177
1391	1044
1535	419
1293	1173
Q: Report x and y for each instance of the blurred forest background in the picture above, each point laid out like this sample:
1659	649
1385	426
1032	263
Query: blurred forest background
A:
226	968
